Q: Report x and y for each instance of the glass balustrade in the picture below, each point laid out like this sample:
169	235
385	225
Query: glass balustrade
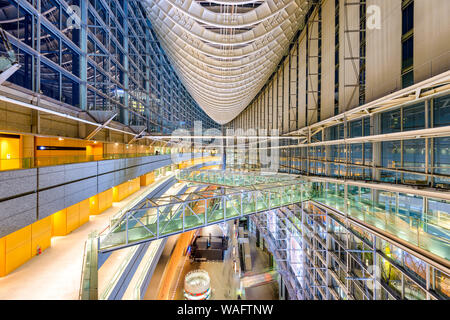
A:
401	215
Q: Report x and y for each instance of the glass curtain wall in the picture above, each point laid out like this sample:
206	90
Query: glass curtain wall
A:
109	60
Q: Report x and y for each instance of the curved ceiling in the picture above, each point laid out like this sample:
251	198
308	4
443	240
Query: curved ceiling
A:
225	50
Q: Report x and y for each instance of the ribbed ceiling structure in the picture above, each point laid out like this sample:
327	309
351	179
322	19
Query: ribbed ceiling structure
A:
224	51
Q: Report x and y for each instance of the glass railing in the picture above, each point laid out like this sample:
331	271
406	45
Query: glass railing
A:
425	231
113	281
430	231
159	181
230	178
169	215
174	216
409	174
166	216
391	254
89	272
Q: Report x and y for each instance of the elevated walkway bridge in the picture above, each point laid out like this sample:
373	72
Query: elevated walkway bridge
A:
239	194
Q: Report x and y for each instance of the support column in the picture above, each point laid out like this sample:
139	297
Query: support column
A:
83	56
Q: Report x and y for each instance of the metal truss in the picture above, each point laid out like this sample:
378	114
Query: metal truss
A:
127	59
231	178
368	206
342	260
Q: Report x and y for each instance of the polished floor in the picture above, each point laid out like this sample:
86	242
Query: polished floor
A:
56	273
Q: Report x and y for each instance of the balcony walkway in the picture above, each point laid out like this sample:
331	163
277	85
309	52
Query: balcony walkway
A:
166	216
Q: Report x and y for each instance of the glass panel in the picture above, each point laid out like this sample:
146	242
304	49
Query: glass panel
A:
356	156
24	76
441	153
368	153
356	129
414	155
408	18
407	53
416	266
437	221
391	158
414	117
391	276
408	79
70	92
50	85
50	45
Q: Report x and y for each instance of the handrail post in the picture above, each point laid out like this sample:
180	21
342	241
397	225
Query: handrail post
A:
224	205
126	228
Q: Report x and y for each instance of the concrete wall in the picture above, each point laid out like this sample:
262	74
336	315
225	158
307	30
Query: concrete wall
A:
33	194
